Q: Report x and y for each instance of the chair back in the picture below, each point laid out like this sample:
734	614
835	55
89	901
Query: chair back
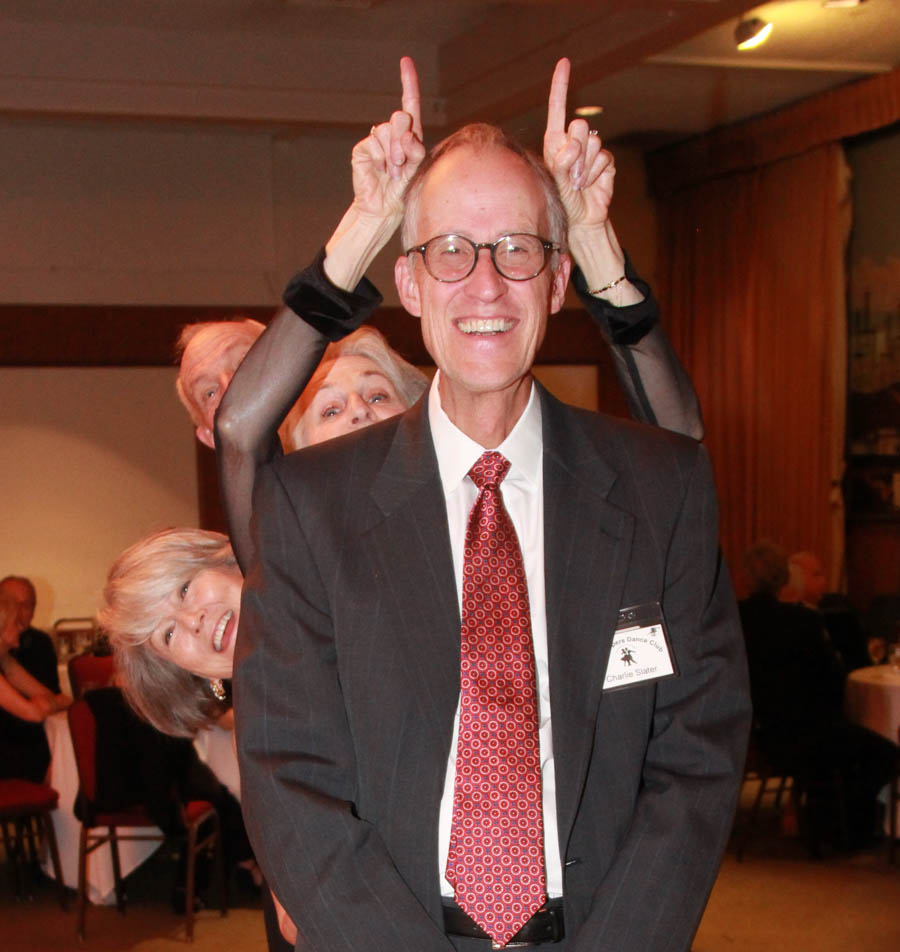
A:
83	728
88	671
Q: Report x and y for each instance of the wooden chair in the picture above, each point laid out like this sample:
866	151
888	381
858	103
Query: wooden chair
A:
73	635
21	803
87	671
99	827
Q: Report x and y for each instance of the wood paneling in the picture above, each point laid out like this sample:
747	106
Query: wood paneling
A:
87	336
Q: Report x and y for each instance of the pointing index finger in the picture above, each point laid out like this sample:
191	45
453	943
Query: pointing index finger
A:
559	90
409	79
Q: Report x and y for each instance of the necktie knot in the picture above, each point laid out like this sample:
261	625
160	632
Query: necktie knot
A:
489	469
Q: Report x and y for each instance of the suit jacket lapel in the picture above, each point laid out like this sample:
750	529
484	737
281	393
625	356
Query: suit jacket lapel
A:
587	546
410	533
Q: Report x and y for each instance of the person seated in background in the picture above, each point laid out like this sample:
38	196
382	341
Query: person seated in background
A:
24	704
807	584
36	652
797	687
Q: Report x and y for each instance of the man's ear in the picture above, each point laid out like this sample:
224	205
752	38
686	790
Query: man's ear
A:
560	282
205	435
407	286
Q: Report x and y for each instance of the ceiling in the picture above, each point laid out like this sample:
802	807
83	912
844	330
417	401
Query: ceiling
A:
662	71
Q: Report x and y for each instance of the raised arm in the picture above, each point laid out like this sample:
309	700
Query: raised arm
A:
326	301
658	389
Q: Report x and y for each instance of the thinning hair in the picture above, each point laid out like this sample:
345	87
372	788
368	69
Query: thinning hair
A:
22	581
138	589
409	382
209	338
480	136
801	565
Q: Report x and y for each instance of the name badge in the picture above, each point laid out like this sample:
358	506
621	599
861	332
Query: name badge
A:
640	649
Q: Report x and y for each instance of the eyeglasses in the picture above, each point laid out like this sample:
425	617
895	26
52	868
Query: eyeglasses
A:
519	257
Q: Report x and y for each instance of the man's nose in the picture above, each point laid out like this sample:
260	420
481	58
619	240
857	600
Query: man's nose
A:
485	282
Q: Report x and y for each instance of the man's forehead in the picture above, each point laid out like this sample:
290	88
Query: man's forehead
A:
206	356
508	188
17	590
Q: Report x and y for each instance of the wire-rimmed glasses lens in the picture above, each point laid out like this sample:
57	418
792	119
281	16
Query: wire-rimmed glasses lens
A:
518	257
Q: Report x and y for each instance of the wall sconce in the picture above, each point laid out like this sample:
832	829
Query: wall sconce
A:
751	33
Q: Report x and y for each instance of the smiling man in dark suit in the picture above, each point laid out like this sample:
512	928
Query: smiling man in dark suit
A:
489	683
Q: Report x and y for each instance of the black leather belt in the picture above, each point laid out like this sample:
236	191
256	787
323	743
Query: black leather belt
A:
546	925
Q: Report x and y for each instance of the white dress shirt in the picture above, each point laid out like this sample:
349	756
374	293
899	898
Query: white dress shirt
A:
523	496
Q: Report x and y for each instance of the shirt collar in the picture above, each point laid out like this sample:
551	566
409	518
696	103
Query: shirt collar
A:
457	453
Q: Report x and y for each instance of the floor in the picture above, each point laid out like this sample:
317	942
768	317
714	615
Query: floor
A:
776	898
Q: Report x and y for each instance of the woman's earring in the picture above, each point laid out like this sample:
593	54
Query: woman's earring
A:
217	688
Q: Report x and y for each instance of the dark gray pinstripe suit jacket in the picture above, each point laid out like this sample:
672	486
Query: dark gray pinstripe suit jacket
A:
347	672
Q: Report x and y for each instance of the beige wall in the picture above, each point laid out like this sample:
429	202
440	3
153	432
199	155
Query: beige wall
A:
92	460
115	213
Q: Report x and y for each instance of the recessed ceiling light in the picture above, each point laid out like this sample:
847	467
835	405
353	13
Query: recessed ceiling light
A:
586	111
751	33
835	4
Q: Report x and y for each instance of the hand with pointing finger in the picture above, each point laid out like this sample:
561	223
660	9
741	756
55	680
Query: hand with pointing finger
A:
583	170
386	159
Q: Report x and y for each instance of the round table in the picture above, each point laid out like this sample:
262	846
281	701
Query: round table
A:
873	699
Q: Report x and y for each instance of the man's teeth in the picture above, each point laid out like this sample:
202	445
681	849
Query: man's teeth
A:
220	630
493	325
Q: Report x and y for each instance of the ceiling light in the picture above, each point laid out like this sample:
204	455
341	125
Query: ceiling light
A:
835	4
587	111
751	33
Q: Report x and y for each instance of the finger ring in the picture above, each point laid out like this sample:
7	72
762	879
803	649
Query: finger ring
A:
593	132
372	131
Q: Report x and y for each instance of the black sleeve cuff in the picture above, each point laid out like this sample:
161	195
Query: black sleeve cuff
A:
331	310
626	325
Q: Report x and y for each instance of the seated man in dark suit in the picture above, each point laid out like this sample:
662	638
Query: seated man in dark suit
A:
797	684
808	586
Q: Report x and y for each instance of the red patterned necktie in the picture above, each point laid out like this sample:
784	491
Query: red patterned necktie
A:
496	858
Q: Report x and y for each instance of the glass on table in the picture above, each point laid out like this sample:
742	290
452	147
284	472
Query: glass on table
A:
893	656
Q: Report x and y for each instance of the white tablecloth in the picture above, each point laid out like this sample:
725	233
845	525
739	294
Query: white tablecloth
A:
64	779
873	699
216	749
